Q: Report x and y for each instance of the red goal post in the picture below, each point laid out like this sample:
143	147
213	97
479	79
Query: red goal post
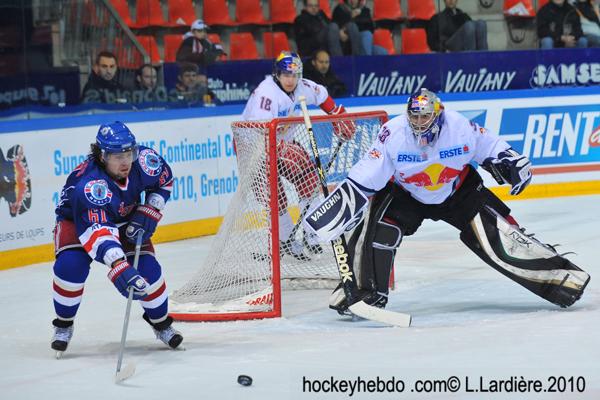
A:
249	263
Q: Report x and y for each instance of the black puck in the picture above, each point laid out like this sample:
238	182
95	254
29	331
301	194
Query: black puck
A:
244	380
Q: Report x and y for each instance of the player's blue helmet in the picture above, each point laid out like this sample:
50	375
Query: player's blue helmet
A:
288	63
425	115
115	138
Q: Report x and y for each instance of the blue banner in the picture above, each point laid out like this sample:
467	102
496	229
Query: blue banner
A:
444	72
554	135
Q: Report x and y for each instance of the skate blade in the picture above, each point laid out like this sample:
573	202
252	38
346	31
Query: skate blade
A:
125	372
59	355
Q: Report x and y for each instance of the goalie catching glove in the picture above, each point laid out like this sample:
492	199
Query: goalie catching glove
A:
510	167
342	129
342	210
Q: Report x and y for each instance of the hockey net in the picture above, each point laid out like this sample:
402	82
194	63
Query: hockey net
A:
243	275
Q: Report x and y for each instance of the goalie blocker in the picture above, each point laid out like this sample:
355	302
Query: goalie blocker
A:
483	220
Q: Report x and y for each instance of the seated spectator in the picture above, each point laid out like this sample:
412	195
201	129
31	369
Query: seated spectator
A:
453	30
558	25
210	98
355	12
197	49
319	70
589	16
146	87
314	31
189	87
103	85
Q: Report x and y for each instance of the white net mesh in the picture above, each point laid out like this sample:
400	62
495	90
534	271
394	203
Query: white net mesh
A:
238	274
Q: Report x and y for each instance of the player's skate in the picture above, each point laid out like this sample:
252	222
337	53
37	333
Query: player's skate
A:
293	248
170	337
166	334
63	332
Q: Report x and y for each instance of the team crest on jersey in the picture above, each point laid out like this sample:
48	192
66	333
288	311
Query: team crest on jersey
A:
150	162
97	192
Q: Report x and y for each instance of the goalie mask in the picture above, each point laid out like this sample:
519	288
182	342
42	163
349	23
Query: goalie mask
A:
287	70
425	116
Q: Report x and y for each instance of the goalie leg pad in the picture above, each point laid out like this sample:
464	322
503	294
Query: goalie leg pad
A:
375	248
522	258
382	238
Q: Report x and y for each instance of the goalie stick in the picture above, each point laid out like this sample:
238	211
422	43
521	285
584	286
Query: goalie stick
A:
129	369
340	248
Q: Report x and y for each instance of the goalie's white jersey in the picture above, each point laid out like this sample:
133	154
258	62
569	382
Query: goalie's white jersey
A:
269	101
429	173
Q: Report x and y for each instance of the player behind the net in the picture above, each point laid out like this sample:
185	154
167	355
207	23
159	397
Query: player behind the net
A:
432	156
98	218
278	96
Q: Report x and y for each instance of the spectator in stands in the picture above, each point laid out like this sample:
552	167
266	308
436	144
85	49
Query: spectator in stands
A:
453	30
558	25
209	98
589	16
146	77
197	49
146	86
189	87
103	85
314	31
353	14
319	70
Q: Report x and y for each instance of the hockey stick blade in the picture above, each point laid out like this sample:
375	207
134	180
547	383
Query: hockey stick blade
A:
125	373
371	313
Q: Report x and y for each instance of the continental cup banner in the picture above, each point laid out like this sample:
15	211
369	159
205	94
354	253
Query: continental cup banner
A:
34	166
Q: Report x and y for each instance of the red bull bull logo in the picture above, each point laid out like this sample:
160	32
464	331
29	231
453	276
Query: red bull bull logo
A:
433	177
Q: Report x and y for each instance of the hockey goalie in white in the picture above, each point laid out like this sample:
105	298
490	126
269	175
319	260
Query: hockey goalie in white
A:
432	154
278	96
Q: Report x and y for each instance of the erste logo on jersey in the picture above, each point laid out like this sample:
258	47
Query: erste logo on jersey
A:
150	162
454	151
412	157
97	192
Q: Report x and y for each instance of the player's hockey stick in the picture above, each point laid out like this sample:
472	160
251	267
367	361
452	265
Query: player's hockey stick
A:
266	257
340	247
306	207
129	369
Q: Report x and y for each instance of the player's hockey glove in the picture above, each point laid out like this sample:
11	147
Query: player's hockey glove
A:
512	168
145	218
342	129
124	276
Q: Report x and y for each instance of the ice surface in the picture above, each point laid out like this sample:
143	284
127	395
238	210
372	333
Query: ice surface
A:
468	321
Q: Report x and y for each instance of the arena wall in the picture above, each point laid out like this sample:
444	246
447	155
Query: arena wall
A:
559	129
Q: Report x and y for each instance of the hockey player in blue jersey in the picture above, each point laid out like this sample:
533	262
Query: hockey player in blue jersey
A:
99	217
